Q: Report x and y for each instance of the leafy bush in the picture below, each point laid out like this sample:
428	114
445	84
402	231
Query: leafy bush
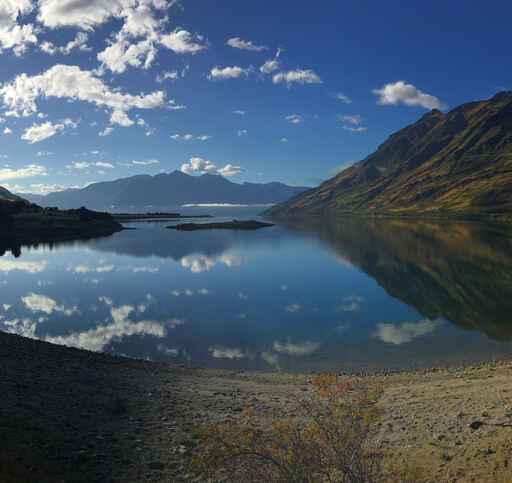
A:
324	439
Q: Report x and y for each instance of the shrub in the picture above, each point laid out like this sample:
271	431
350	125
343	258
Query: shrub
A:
324	439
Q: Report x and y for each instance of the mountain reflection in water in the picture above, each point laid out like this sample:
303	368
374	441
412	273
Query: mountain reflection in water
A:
459	271
347	294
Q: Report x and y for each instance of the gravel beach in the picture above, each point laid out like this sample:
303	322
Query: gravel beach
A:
72	415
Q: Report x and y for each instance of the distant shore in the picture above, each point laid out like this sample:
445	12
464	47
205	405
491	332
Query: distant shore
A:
73	415
151	216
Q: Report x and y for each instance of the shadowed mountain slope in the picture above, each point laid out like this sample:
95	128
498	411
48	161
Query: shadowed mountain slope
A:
459	163
6	195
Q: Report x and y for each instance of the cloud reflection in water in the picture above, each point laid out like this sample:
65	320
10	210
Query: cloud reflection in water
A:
401	334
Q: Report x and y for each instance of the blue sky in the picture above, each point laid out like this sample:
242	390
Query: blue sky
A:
94	90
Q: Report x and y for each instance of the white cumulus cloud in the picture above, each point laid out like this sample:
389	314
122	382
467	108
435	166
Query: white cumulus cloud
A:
173	106
79	42
230	170
357	119
271	65
72	83
298	76
238	43
146	163
182	42
352	123
294	118
12	34
173	75
106	131
121	118
123	53
233	72
190	137
342	97
26	172
354	129
39	132
78	13
401	92
198	165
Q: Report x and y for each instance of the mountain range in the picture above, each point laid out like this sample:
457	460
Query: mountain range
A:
458	163
166	190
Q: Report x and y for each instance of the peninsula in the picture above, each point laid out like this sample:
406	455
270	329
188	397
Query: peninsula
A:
24	223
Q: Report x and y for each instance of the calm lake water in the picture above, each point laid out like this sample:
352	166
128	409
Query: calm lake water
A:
354	294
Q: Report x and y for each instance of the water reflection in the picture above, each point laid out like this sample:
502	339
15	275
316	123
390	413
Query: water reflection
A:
316	295
459	271
406	332
7	266
201	247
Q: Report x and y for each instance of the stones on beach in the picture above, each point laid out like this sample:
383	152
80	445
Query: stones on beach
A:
156	465
476	424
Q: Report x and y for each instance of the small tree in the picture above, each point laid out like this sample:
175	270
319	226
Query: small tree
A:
323	440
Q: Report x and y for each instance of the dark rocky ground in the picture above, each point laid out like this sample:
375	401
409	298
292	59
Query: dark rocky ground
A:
73	415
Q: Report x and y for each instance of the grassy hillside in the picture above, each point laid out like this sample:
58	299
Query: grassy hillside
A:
459	163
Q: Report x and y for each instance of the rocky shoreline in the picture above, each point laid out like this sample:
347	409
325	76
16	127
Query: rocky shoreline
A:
72	415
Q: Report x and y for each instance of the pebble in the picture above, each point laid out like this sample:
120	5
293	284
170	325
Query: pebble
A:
156	465
476	424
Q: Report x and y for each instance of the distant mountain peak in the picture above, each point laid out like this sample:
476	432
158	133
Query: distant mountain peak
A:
434	112
166	190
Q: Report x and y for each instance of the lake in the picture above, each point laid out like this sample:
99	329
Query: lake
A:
346	295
